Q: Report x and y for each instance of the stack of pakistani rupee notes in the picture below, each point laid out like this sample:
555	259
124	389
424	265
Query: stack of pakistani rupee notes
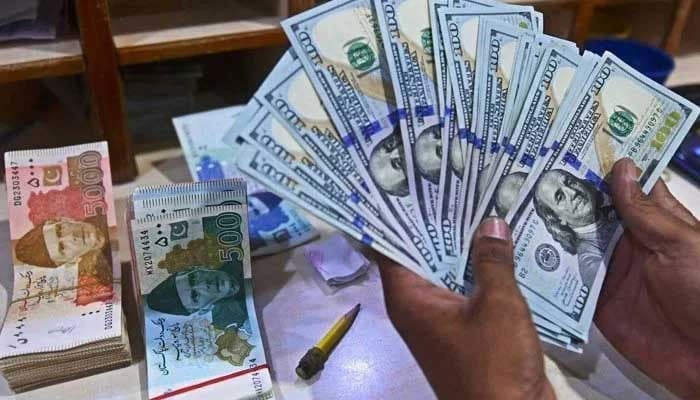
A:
405	123
64	319
191	257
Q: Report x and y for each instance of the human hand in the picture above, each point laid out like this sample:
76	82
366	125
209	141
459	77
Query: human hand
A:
649	308
483	347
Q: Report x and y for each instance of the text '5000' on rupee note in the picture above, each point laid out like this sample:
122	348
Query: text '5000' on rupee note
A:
63	229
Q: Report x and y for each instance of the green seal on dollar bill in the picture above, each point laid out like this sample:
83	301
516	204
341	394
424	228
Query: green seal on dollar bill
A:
426	38
360	54
622	122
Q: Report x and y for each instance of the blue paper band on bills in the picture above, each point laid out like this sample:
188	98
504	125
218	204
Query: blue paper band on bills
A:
355	197
366	239
397	115
597	181
543	151
571	159
509	149
471	137
527	160
348	141
478	143
555	145
371	129
448	111
359	222
463	133
495	147
424	111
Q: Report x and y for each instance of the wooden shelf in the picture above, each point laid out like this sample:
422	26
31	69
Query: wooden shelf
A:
152	37
147	38
31	60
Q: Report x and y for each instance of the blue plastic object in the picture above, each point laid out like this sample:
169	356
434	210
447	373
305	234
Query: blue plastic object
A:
651	61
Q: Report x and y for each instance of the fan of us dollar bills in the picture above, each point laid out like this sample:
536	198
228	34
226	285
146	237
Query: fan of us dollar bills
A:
404	123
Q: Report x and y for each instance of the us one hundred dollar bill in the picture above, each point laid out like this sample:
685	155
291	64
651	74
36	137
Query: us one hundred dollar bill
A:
565	227
292	100
551	92
405	28
339	46
257	165
266	133
460	29
452	165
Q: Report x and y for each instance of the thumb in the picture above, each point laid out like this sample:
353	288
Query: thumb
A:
492	250
646	220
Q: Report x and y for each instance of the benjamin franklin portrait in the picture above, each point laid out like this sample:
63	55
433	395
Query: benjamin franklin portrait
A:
507	192
574	213
387	165
428	155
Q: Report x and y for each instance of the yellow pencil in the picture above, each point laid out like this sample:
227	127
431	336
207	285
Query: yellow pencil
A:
316	357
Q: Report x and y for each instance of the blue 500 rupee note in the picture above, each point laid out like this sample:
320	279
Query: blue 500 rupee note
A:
275	224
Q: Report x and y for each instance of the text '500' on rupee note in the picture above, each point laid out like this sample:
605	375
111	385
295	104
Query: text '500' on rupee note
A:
67	289
565	227
200	327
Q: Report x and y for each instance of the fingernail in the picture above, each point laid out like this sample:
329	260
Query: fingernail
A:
629	170
494	228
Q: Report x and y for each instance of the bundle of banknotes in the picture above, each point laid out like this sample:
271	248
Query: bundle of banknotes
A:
191	258
275	225
65	318
405	123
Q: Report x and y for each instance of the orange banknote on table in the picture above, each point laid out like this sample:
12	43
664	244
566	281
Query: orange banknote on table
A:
67	287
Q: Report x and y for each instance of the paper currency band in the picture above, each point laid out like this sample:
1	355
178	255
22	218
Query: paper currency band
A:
359	222
348	141
495	147
478	143
397	115
424	111
528	160
355	197
509	149
544	150
590	175
366	239
375	127
466	134
372	129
